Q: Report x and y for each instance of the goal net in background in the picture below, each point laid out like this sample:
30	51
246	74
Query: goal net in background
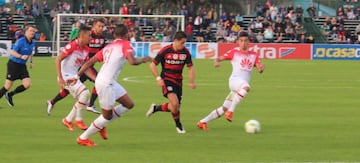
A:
159	28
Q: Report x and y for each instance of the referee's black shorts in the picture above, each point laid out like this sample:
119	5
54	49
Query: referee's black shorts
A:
16	71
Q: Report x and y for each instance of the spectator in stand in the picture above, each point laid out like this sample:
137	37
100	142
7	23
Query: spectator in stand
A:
259	37
198	22
312	11
224	16
66	7
19	8
211	17
45	8
258	25
278	37
325	29
302	38
133	8
310	39
299	11
221	33
340	11
191	8
231	38
184	11
333	34
273	11
75	31
18	34
157	35
208	35
260	9
199	35
235	28
42	37
334	23
289	32
357	29
358	13
252	36
282	11
290	8
269	34
341	34
239	19
27	13
251	25
124	9
35	8
65	36
347	32
189	32
350	13
292	16
266	23
91	8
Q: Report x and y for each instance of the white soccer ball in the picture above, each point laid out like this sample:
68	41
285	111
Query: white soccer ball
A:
252	126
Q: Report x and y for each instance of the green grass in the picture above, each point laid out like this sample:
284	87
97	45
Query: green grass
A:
309	112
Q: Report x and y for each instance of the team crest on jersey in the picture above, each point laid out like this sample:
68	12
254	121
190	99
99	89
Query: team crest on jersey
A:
182	56
246	63
175	56
68	46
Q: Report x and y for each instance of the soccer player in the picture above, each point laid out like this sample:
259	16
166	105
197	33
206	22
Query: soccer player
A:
113	56
72	57
172	58
243	61
97	42
20	53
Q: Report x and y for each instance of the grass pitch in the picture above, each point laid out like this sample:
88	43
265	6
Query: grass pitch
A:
309	112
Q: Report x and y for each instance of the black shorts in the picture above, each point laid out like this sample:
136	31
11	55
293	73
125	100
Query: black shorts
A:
83	77
16	71
170	87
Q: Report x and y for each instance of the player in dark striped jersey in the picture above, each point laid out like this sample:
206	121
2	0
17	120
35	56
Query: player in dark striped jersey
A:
172	58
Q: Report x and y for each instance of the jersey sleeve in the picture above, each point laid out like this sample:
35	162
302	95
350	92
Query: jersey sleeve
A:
188	60
127	49
68	49
257	59
229	54
159	57
99	55
16	47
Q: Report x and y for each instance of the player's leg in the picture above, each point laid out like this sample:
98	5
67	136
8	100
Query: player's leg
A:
91	107
23	74
159	108
217	113
240	89
61	95
11	76
6	87
174	107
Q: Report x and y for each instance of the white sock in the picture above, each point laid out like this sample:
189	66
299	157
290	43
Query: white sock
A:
95	126
79	111
213	115
70	117
118	111
236	99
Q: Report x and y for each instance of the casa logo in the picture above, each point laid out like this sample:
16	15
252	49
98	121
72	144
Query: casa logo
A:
205	50
337	53
272	52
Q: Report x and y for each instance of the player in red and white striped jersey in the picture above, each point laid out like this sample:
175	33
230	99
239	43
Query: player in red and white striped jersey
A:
113	56
243	61
72	57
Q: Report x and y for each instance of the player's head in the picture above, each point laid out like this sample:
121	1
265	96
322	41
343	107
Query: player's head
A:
84	35
121	31
243	40
30	32
179	40
98	26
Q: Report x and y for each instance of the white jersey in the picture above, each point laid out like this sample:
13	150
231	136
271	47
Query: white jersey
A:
242	63
113	57
75	57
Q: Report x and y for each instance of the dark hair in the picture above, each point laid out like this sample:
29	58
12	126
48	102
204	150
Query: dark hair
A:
120	30
98	20
84	29
180	35
243	34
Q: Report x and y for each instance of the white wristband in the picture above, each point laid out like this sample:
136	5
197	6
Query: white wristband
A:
76	76
158	78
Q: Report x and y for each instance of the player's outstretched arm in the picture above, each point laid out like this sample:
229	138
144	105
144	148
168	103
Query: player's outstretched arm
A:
137	61
58	60
218	60
86	65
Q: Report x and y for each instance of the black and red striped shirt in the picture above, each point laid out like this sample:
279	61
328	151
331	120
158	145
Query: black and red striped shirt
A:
172	63
97	42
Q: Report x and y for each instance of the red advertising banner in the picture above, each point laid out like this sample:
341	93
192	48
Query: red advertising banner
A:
274	51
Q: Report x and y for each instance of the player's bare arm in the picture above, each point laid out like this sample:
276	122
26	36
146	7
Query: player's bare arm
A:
86	66
218	60
58	60
260	67
17	55
155	73
192	77
137	61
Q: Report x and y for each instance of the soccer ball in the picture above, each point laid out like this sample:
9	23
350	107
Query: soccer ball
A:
252	126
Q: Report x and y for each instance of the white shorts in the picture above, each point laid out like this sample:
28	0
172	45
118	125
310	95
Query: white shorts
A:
76	89
236	85
108	94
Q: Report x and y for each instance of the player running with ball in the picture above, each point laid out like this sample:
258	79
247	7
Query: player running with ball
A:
243	61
